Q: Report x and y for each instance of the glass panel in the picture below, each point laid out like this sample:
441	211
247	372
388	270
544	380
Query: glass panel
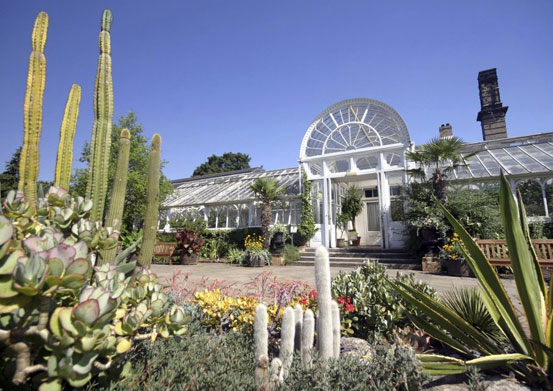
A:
244	215
532	197
232	217
373	216
396	210
212	216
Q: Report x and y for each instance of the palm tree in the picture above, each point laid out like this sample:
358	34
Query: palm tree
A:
267	191
441	156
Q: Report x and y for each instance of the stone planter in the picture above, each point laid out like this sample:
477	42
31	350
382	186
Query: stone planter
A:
340	243
188	259
431	264
277	243
458	268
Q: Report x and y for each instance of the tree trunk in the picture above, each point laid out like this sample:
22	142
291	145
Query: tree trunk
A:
439	186
265	223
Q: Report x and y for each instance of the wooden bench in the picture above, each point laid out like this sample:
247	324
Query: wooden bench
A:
165	250
496	251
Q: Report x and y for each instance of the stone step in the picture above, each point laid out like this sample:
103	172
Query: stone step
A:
357	250
355	263
376	255
361	260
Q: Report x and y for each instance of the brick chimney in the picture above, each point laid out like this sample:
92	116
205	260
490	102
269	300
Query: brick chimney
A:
446	130
492	112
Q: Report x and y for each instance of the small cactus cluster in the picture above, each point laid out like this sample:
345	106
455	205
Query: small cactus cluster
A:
62	319
103	117
298	331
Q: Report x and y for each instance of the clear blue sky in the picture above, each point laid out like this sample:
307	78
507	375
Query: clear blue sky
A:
250	76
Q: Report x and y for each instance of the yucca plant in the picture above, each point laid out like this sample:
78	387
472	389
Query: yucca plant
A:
529	355
468	303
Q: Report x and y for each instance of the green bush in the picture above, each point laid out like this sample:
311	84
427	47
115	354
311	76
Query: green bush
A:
378	309
290	254
205	361
235	255
390	368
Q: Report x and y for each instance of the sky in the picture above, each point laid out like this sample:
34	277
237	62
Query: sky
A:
250	76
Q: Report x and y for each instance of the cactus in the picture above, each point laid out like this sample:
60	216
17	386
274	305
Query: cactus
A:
275	374
287	330
103	116
307	338
67	133
298	316
324	322
336	329
152	205
260	336
32	109
117	201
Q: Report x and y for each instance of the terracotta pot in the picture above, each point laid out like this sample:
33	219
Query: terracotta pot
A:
458	268
356	242
188	259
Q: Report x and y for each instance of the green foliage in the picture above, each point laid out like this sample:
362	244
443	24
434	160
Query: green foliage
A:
266	190
32	109
189	242
197	225
306	227
379	310
388	368
257	258
215	246
10	177
469	305
59	315
127	238
290	254
135	199
352	205
235	255
529	353
537	229
229	161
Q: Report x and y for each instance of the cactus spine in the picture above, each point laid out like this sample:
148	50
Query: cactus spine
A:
336	329
152	205
32	109
117	202
64	159
324	323
260	336
307	338
103	117
298	315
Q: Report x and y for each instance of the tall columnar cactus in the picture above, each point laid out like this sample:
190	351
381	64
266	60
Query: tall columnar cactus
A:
336	329
275	374
307	338
64	159
260	336
152	204
32	109
103	117
287	331
117	201
298	315
324	322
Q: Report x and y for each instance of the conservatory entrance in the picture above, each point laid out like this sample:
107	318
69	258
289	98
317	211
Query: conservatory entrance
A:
362	143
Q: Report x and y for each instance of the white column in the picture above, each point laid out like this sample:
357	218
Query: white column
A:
545	206
324	223
251	211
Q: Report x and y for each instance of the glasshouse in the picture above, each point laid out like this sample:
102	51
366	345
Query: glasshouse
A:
364	142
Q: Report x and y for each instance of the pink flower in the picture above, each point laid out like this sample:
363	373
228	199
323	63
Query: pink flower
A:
350	308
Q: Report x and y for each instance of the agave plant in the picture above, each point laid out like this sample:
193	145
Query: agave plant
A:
530	355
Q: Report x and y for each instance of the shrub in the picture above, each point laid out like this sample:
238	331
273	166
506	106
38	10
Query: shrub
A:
198	226
390	368
290	254
235	255
256	258
189	242
378	309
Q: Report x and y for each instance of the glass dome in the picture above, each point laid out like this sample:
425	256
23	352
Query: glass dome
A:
354	124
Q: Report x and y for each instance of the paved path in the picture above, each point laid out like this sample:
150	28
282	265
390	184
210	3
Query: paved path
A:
239	274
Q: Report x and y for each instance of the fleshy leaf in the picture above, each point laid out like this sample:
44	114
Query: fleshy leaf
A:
87	311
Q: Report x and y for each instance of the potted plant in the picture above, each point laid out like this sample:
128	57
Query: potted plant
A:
279	234
342	221
453	256
255	255
189	244
352	206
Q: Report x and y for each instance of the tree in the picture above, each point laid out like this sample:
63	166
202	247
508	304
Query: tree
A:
267	191
229	161
441	156
352	204
306	227
135	200
10	177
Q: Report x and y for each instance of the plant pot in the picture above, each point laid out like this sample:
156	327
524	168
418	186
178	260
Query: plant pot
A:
431	264
277	243
458	268
188	259
356	242
340	243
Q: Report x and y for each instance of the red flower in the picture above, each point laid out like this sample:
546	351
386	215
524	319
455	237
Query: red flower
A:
341	299
350	308
303	301
313	294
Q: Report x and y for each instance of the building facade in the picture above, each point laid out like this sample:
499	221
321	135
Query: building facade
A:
363	142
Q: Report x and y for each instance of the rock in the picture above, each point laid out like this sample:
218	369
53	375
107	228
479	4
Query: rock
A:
355	347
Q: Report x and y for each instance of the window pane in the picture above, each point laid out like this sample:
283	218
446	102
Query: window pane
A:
396	210
373	216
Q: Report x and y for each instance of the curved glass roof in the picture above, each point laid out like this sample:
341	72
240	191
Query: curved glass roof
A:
354	124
